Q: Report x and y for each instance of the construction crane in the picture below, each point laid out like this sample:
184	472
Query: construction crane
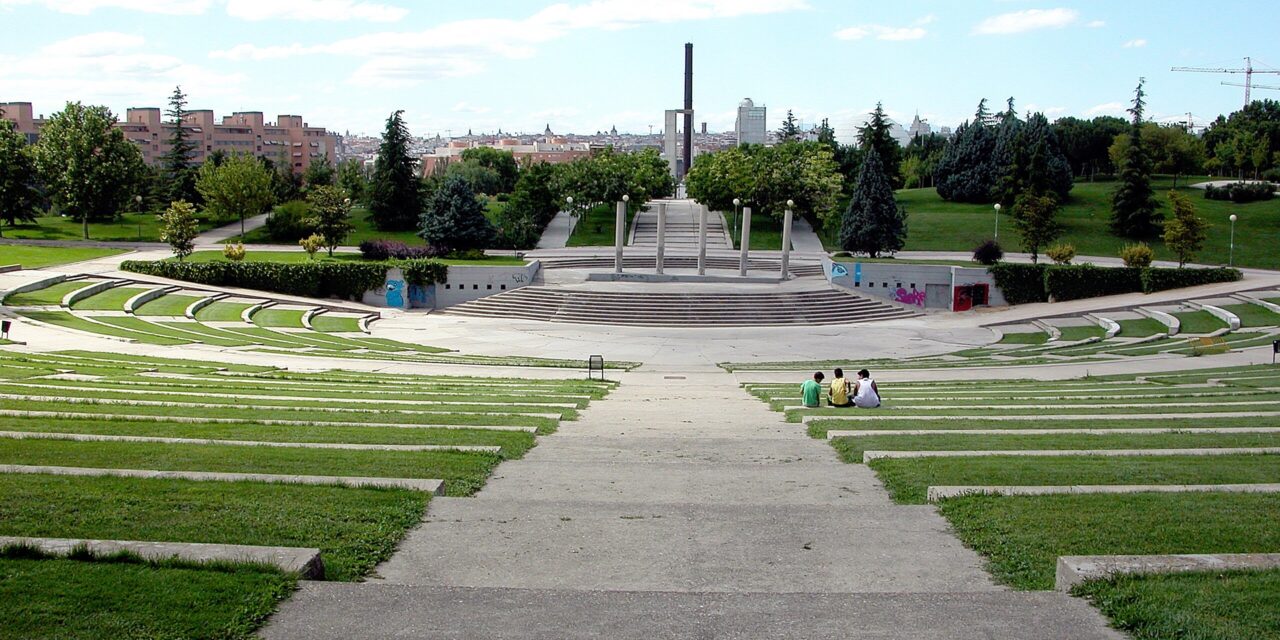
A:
1248	72
1256	86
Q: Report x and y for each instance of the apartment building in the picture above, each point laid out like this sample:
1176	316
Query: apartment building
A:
552	149
288	141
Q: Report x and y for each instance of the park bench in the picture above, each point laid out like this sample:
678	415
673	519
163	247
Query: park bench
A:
1208	345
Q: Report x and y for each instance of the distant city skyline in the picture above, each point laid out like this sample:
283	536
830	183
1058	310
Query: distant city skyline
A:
582	67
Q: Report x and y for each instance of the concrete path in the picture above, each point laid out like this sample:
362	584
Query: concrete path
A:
221	234
556	235
681	507
804	239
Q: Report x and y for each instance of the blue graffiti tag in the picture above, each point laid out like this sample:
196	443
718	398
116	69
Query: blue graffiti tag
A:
395	293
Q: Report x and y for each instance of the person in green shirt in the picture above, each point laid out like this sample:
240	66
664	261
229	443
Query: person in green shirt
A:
811	391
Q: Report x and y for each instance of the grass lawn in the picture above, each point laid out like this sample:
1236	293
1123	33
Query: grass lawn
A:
301	256
362	229
851	449
51	295
906	480
1230	605
222	311
1254	315
354	528
166	305
1022	537
64	598
818	428
131	227
1025	337
1141	328
328	323
142	326
36	257
595	228
937	225
112	299
1199	322
272	317
67	320
864	259
1074	334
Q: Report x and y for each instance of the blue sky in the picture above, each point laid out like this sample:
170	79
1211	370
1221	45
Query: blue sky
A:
584	66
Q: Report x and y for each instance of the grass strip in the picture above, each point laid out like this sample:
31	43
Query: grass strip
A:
1196	322
354	528
851	449
1253	315
67	321
273	317
819	428
329	323
1022	537
34	257
1141	327
97	356
1219	605
138	324
112	299
1025	337
1081	332
51	295
222	311
167	305
907	479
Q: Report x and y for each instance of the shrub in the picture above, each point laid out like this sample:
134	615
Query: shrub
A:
1061	253
233	252
1020	283
311	279
1137	254
1073	282
395	250
290	222
1241	192
988	253
311	244
1163	279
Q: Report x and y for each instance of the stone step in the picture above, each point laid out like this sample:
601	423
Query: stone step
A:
432	486
301	560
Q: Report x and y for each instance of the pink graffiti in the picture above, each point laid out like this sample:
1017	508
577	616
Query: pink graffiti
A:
913	297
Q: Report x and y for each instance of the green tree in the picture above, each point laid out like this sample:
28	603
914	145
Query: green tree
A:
1134	212
1171	148
319	173
331	214
517	222
1184	235
178	174
480	178
1246	141
790	130
1035	219
238	188
503	163
178	228
91	170
827	135
351	178
454	219
967	169
874	223
877	134
395	198
1085	142
18	195
1034	162
804	172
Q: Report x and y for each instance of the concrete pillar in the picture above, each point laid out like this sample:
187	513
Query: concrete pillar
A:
662	235
746	241
786	241
619	233
702	240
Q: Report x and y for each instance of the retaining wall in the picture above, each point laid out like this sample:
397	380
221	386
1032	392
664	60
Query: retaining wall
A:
927	286
462	284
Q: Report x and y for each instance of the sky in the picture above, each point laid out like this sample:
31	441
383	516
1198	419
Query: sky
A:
520	65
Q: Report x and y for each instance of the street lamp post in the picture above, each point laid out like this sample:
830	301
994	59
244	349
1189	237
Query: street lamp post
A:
568	206
138	201
1231	257
737	202
997	234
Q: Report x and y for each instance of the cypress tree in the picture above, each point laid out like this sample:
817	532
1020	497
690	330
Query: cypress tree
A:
179	175
454	219
395	201
874	223
1134	211
876	133
966	170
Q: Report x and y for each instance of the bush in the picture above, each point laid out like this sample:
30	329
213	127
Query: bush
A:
1137	254
1061	253
988	253
1163	279
311	279
1241	192
1020	283
311	244
394	250
233	252
1073	282
290	222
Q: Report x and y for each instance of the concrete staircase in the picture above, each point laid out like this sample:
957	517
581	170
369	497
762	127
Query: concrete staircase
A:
682	228
756	266
662	309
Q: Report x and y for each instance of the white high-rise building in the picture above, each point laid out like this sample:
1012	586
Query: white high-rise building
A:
750	125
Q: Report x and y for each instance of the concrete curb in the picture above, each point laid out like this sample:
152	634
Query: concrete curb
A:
868	456
1054	334
196	306
840	433
1270	306
934	494
1083	416
1081	405
131	305
301	560
88	290
34	286
308	315
1073	570
244	396
93	437
1174	325
1110	326
434	487
1232	320
297	423
247	314
126	402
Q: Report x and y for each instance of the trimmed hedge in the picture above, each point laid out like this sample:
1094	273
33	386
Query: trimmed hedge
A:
347	280
1023	283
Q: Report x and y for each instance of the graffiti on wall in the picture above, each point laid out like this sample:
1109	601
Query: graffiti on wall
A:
422	297
395	293
913	297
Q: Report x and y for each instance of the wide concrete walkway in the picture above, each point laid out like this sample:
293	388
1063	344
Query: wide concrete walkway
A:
680	507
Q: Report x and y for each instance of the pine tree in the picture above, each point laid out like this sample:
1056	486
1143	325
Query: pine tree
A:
876	133
454	219
790	130
351	178
395	201
1184	235
18	196
178	172
874	223
1134	211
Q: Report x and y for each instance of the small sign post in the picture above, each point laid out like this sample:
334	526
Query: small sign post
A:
5	325
595	363
1275	348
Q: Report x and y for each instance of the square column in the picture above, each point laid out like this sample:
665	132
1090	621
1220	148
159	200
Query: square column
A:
619	233
702	240
786	241
746	241
662	235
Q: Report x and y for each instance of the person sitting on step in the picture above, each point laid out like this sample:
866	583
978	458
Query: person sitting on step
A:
811	391
866	394
838	393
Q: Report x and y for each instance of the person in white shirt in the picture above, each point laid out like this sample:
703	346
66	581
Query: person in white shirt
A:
866	395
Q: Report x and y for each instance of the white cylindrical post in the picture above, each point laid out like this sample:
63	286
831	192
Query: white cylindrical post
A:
786	239
662	235
702	240
619	233
746	241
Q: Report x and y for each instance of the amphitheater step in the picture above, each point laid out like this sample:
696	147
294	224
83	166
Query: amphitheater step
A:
675	309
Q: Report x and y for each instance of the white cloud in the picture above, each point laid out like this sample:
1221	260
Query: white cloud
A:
330	10
1135	44
1026	20
85	7
1049	112
465	47
466	107
1106	109
882	32
1096	24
